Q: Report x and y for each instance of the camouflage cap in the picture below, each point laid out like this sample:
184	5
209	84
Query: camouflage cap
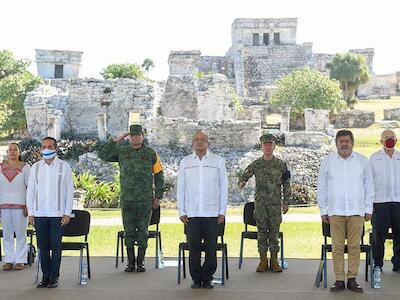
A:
135	129
267	138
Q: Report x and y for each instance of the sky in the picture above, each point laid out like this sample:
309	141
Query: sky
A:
128	31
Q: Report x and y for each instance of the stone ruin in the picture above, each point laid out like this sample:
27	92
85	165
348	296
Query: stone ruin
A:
225	96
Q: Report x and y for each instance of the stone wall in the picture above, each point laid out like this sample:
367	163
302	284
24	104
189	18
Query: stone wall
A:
308	139
378	86
392	113
207	98
171	132
353	119
79	102
264	65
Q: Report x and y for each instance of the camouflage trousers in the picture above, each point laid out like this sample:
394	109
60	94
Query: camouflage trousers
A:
269	219
136	220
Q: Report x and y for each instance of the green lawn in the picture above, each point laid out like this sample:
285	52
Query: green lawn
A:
232	211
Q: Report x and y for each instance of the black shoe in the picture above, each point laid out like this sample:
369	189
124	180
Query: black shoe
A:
196	285
338	286
130	268
208	285
53	283
43	283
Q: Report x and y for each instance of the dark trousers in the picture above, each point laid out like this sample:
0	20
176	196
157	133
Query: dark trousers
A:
199	229
386	215
48	233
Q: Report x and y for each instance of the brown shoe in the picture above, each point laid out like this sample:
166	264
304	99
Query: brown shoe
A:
353	286
338	286
19	266
275	267
7	266
263	265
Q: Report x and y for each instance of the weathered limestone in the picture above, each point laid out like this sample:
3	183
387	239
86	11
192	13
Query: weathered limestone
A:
392	113
53	127
58	63
316	119
307	139
285	122
354	119
102	126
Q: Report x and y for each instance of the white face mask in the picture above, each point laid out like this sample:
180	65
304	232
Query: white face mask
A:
48	154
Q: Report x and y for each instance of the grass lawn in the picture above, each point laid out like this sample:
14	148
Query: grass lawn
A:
232	211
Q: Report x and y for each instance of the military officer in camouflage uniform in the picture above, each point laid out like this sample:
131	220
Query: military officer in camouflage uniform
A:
140	172
272	180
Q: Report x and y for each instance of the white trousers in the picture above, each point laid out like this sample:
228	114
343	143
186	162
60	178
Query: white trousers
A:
13	220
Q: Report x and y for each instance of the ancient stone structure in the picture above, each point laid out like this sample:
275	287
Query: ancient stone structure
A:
392	113
58	63
316	119
354	119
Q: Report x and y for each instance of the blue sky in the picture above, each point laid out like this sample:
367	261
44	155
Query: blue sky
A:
128	31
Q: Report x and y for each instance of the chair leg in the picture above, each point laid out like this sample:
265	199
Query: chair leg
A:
122	248
241	252
156	262
88	259
371	268
184	263
318	278
366	265
226	261
282	253
325	270
179	265
117	254
223	266
36	276
80	266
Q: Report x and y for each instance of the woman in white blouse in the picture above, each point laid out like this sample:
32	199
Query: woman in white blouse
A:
13	182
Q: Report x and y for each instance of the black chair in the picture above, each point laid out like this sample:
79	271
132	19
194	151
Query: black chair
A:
221	246
79	225
156	234
248	219
325	247
29	234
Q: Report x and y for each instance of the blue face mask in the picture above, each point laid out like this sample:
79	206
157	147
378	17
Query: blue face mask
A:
48	154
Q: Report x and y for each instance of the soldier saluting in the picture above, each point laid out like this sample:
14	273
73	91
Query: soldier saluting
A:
272	182
140	172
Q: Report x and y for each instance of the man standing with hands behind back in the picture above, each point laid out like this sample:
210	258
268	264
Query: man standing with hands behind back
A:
202	199
345	196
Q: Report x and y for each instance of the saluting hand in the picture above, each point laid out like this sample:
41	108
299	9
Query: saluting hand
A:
120	138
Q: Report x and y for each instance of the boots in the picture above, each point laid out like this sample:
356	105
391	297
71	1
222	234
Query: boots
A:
140	259
263	266
275	267
131	259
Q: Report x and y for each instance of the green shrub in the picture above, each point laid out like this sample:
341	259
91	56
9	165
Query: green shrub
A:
99	194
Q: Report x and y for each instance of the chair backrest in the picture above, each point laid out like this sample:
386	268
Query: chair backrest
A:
221	229
326	231
78	225
248	214
155	216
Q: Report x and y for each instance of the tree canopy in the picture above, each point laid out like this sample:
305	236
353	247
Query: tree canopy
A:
15	82
307	88
351	71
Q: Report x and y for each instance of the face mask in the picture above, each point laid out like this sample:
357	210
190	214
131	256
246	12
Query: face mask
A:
48	154
390	143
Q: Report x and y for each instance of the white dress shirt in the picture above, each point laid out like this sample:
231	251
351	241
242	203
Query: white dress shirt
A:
386	172
13	192
202	186
50	189
345	186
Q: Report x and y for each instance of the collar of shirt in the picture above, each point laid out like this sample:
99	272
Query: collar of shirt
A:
207	155
53	163
339	157
384	154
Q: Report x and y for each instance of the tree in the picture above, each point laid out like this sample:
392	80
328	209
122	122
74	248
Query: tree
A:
147	64
133	71
15	82
307	88
351	70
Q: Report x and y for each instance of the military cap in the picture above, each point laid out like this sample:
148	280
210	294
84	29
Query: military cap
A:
267	138
135	129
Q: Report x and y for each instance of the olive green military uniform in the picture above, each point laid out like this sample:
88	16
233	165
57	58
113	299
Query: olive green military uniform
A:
140	172
272	181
